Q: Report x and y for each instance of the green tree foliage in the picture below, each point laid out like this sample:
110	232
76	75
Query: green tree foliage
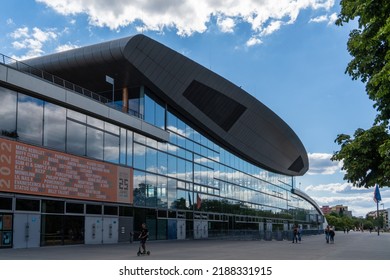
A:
341	222
366	156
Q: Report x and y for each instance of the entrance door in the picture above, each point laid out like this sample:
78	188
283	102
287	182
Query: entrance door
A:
181	229
172	229
201	229
110	230
27	229
101	230
93	230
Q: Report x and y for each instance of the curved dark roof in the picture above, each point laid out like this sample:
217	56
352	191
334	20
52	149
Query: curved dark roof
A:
222	110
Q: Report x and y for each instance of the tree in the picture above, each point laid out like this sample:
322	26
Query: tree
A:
366	157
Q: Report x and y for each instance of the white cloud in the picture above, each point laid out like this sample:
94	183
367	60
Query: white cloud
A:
320	163
31	40
10	21
271	28
333	187
187	16
226	25
330	19
318	19
253	41
20	33
66	47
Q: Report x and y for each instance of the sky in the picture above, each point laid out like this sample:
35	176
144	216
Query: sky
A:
288	54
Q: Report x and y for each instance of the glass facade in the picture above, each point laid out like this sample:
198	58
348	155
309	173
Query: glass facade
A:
190	176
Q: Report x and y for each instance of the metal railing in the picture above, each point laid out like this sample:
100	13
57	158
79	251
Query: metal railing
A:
55	80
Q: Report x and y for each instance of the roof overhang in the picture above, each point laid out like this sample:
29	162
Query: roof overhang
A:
220	109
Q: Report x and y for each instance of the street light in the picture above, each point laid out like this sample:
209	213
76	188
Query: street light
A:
111	81
382	216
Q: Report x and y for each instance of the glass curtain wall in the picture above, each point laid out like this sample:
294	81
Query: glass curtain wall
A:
188	173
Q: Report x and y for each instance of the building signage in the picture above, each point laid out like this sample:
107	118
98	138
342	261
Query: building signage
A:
32	170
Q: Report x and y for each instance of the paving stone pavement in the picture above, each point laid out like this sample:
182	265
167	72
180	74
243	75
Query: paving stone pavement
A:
352	246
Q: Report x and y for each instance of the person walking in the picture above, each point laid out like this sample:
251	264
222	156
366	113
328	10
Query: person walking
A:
300	231
327	231
332	234
295	234
143	237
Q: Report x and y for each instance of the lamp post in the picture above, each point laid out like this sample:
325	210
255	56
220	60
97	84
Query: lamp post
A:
111	81
383	215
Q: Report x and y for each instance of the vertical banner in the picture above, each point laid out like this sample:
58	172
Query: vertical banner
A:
125	185
7	161
37	171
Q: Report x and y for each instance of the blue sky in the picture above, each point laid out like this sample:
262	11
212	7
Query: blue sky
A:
288	54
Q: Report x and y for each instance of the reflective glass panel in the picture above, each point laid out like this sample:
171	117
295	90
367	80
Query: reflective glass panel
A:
123	146
151	160
149	110
54	126
114	129
160	116
162	161
94	143
129	148
111	148
30	119
77	116
76	138
139	156
8	112
162	198
139	192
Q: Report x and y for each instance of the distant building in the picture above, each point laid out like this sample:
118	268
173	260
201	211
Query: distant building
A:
339	209
326	209
384	213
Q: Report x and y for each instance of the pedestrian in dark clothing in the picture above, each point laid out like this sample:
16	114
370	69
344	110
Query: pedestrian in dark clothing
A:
143	237
332	234
300	231
295	235
327	231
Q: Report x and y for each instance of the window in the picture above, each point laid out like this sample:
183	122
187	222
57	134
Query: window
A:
94	209
110	210
139	156
122	146
8	112
111	148
27	205
53	206
77	208
94	143
54	126
76	138
5	203
30	119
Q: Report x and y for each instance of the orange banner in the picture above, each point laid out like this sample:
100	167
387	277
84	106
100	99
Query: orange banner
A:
32	170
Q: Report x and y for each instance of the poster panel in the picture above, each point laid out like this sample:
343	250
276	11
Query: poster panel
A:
37	171
6	238
7	222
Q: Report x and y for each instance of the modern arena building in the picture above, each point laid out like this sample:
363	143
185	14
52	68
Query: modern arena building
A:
96	140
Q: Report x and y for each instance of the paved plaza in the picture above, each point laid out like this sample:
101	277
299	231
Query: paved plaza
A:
352	246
